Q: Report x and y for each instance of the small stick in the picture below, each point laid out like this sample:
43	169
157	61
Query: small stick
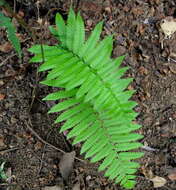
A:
43	154
149	149
9	57
43	141
8	150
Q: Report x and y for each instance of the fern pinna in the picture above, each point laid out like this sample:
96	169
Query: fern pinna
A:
97	109
11	30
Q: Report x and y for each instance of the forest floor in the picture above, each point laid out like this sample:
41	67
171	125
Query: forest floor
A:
29	143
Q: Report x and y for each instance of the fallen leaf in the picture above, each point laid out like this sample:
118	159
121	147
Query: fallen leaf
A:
6	47
2	96
142	70
158	181
56	187
140	29
168	26
76	186
1	82
9	175
172	174
38	146
147	172
137	11
2	144
42	22
172	68
91	6
108	9
119	50
126	8
66	164
15	187
21	37
20	14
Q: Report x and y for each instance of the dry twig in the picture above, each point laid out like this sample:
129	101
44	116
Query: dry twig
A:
43	141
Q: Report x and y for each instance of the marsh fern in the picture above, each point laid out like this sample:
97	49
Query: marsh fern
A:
94	102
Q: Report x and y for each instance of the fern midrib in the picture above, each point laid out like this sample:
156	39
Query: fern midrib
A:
107	86
113	145
96	73
105	131
109	138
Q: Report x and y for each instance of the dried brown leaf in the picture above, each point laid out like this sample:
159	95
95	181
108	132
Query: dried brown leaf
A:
38	146
56	187
168	26
2	96
172	174
66	164
6	47
2	144
76	186
137	11
158	181
147	172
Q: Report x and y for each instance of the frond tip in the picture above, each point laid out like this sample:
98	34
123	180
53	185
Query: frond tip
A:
94	101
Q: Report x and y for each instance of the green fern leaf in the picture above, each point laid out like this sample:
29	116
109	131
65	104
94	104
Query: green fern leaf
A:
91	141
54	32
86	86
94	101
2	2
97	147
130	155
73	121
60	95
92	41
91	128
127	146
71	25
7	23
64	105
79	35
61	28
72	111
52	62
102	154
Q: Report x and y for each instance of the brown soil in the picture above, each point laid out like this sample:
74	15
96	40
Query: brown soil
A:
32	163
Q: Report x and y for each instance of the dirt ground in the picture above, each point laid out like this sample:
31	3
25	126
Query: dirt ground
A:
30	143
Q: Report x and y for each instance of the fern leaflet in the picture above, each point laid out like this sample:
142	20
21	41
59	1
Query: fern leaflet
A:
7	23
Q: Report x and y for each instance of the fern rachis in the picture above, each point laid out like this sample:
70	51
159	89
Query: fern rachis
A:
97	109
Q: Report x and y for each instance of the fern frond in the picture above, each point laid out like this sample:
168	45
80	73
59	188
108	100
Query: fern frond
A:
95	103
7	23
